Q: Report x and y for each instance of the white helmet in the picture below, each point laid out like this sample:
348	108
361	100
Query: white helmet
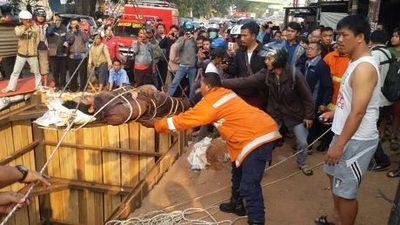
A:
235	30
25	15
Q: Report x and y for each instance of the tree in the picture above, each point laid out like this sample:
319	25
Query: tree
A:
25	4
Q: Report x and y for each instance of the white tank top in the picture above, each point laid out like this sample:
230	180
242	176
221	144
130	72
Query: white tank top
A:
368	129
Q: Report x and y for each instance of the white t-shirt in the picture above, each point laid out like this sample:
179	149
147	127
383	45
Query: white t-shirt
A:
249	56
211	68
368	128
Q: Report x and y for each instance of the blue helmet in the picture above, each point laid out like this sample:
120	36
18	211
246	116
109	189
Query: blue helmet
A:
188	26
219	43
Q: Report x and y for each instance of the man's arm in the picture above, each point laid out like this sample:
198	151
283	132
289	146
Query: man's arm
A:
255	81
326	83
305	96
10	175
202	113
362	83
20	30
179	43
233	69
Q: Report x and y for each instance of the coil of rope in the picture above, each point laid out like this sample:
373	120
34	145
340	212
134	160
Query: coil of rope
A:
164	216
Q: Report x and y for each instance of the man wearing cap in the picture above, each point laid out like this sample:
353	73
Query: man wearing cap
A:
40	21
249	134
187	53
28	40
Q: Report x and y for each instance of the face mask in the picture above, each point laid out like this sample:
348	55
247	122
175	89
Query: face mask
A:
213	34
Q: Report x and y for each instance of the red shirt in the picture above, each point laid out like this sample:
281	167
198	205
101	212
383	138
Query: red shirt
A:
113	47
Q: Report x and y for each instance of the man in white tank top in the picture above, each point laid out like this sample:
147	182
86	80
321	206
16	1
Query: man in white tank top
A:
354	121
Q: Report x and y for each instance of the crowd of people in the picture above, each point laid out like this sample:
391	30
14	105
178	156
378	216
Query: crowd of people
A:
298	77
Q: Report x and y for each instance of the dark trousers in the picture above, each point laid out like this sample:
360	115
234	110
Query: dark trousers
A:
247	179
161	74
380	156
82	73
59	68
143	76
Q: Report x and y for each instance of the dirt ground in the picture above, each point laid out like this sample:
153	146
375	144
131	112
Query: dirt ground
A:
294	201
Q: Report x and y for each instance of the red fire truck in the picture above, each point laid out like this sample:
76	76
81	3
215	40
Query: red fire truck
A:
135	17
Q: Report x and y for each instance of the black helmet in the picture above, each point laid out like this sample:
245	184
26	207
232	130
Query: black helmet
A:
188	26
276	50
39	12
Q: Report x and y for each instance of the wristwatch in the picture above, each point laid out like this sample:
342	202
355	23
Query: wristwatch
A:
23	170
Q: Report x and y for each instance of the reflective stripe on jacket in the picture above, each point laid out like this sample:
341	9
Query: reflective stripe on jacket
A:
242	126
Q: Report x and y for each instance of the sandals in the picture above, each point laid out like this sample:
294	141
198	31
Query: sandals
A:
393	173
323	221
306	170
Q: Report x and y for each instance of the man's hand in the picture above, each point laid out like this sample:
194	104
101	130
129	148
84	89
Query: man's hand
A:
327	117
333	155
200	54
9	199
308	123
34	176
322	109
148	123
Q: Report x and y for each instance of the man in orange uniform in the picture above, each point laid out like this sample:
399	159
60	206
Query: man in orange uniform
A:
249	134
337	62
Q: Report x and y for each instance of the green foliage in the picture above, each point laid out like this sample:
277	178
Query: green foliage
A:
207	8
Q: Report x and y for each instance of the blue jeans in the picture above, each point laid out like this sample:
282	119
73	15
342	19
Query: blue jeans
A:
247	179
301	133
179	75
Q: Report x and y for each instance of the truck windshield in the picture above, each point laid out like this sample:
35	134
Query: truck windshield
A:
127	29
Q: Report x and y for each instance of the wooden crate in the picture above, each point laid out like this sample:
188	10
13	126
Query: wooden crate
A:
92	172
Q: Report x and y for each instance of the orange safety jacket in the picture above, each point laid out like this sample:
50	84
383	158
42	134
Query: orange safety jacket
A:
242	126
337	64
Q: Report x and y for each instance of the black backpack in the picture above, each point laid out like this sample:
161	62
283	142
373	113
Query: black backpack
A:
391	86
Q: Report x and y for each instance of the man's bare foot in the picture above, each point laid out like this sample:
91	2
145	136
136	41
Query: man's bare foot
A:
6	90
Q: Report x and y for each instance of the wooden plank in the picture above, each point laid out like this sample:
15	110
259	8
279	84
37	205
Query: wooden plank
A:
164	142
54	169
6	118
129	204
80	161
93	172
20	140
130	163
6	139
105	149
111	166
69	170
19	153
40	159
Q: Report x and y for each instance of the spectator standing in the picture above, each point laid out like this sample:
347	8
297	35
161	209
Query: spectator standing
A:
143	51
40	21
157	56
383	58
247	62
289	97
162	64
111	42
319	80
100	61
187	54
77	42
28	40
58	51
354	121
118	76
326	40
395	50
295	51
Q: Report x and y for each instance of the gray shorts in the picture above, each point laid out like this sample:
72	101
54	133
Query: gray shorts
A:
101	73
352	166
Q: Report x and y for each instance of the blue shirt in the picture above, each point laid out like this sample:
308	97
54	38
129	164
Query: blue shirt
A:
118	78
291	51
